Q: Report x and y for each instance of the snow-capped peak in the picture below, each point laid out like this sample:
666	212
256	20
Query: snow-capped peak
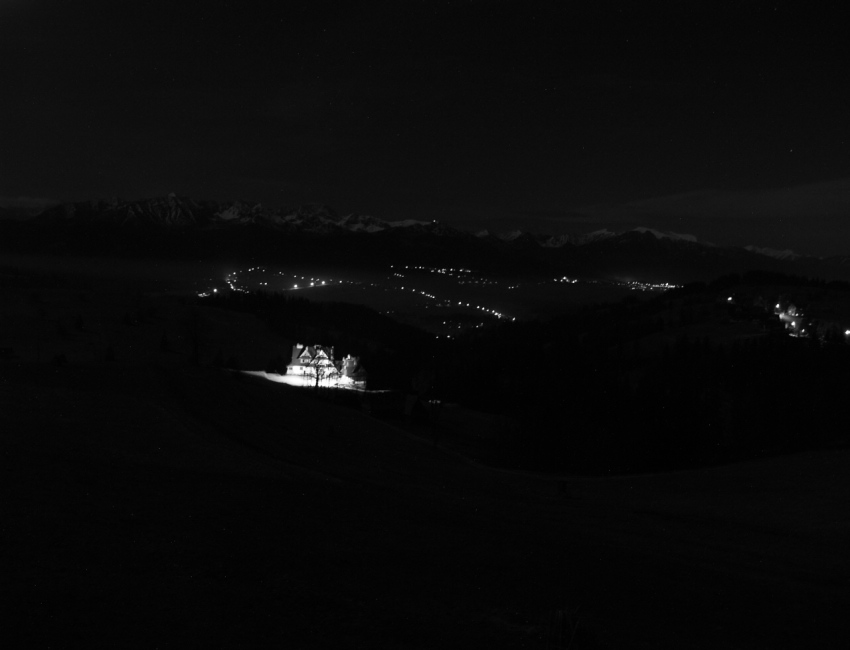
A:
405	223
557	241
667	235
596	235
362	223
786	254
510	236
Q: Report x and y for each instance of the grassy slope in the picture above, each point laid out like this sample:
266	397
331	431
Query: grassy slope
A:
151	503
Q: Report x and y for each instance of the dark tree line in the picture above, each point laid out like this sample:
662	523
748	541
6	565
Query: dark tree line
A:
591	397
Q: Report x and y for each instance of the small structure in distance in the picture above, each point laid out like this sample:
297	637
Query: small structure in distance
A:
318	362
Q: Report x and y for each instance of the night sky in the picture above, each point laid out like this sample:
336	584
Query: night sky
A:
731	124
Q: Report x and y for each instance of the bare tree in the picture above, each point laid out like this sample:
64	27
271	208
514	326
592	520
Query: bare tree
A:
321	368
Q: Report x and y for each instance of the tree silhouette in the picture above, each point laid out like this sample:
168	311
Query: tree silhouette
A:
321	368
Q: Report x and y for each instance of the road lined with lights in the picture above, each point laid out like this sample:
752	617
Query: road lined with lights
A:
458	315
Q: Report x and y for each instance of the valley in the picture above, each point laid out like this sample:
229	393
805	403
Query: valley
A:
616	458
156	500
443	301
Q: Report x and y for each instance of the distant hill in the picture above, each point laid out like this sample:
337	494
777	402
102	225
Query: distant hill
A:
180	227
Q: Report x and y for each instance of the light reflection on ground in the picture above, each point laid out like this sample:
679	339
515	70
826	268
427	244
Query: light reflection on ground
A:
301	381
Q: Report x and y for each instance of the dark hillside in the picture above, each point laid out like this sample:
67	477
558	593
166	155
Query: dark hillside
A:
698	376
166	506
152	500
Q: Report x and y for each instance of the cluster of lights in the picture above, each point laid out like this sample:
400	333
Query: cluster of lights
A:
795	323
309	282
231	280
430	269
242	282
634	285
464	276
459	325
448	303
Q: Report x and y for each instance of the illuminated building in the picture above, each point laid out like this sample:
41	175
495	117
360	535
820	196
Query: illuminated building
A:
306	358
313	360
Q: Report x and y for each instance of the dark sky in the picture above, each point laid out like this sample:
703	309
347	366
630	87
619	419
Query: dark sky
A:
728	123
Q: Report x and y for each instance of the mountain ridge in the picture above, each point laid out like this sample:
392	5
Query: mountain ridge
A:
172	225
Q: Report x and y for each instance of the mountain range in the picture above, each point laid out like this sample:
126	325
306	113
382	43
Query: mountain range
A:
174	226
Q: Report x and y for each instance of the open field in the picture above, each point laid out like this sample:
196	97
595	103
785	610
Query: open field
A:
149	502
